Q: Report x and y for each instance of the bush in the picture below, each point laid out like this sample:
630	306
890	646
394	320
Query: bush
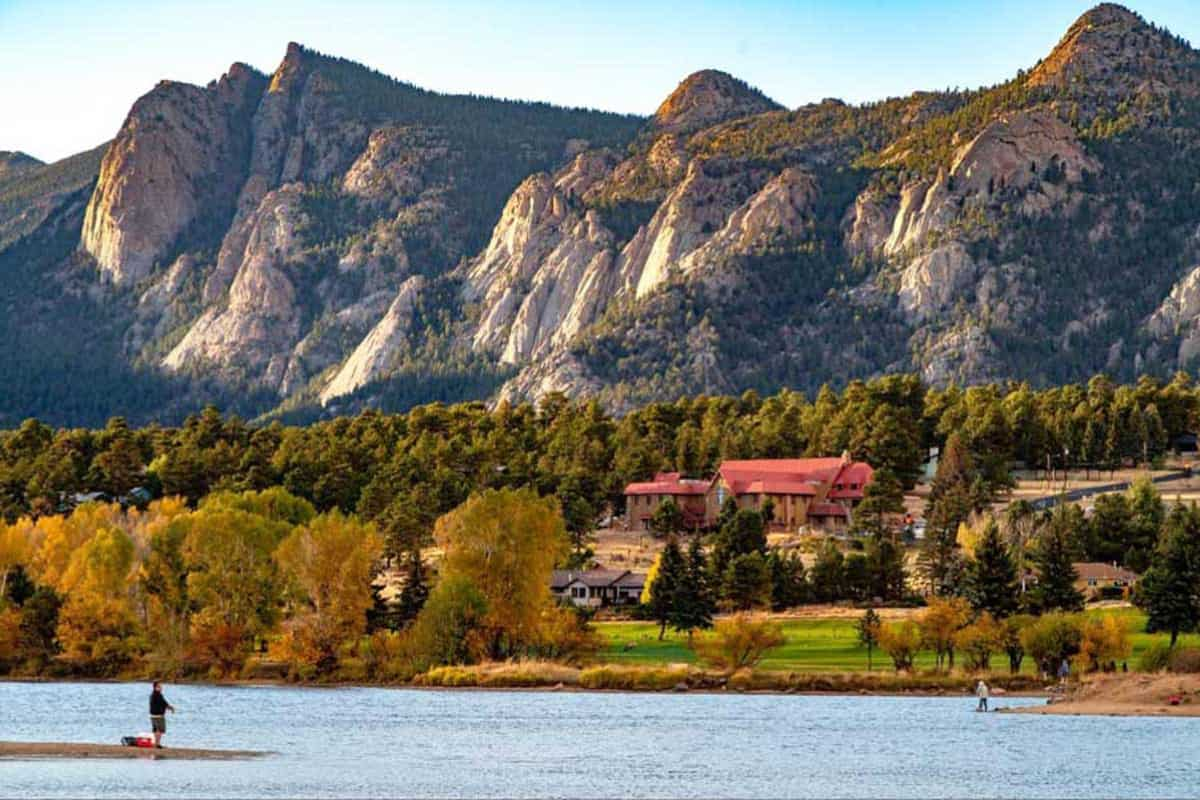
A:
739	641
979	640
1185	659
940	624
610	676
449	629
1102	643
1155	658
386	656
500	674
1050	639
564	635
901	641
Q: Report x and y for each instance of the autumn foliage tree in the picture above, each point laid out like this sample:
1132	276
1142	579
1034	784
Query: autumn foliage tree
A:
740	641
505	542
329	564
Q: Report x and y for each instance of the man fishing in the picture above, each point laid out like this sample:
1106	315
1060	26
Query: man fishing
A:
158	713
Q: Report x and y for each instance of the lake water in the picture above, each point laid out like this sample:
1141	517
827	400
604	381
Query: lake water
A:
387	742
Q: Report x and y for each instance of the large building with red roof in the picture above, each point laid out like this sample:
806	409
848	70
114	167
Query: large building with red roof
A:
805	492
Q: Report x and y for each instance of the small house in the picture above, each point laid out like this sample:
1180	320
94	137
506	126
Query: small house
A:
1095	576
597	588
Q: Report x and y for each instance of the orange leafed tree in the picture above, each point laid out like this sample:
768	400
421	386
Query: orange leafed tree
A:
505	542
329	564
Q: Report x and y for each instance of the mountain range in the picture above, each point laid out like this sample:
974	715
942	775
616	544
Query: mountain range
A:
326	238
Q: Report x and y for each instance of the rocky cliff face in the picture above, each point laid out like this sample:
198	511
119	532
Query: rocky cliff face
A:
177	159
320	188
369	361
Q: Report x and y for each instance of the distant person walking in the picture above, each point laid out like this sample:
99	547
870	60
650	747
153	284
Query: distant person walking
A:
1064	670
158	713
981	691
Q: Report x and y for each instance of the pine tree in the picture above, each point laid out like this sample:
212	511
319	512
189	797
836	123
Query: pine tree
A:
788	585
667	519
991	581
693	604
746	583
1053	559
957	491
882	497
885	566
1170	589
415	592
672	573
827	577
868	627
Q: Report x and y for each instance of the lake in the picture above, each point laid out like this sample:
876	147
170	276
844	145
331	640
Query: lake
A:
356	742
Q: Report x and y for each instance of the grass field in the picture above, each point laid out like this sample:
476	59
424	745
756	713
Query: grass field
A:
816	645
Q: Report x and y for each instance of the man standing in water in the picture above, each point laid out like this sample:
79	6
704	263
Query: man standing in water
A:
158	713
981	691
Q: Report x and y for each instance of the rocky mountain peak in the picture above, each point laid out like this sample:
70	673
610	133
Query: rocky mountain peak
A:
707	97
1110	46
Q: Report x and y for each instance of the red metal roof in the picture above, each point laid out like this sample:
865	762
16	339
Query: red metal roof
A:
668	483
784	476
778	486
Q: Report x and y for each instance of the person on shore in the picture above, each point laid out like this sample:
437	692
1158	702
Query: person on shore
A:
981	691
1064	671
158	713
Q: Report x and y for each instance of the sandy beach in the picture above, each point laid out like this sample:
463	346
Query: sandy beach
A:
1161	695
30	750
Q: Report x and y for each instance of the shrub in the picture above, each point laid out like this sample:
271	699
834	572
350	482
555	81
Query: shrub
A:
10	638
450	628
979	640
1051	638
1011	641
940	623
1102	643
386	656
901	641
611	676
564	635
739	641
1155	658
499	674
1185	659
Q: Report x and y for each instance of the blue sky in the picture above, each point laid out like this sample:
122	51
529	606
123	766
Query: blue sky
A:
69	70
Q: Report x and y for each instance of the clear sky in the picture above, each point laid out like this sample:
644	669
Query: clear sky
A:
70	69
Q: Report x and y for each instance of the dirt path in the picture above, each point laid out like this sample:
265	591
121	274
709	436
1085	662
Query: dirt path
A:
30	750
1162	695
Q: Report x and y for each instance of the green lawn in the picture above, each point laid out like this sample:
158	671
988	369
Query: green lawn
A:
813	645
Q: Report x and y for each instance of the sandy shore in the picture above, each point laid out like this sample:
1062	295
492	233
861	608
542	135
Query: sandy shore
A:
20	751
1129	695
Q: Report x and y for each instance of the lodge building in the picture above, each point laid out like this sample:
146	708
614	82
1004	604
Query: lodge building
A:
815	493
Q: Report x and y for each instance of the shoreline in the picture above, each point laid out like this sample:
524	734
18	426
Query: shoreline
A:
49	751
916	691
1159	695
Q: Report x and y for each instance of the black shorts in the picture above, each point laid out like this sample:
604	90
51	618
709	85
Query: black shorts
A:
158	724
